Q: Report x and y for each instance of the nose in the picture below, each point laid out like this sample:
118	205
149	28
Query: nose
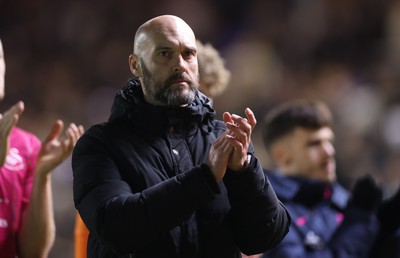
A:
328	149
180	64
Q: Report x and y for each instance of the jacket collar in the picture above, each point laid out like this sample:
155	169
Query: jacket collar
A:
295	188
129	105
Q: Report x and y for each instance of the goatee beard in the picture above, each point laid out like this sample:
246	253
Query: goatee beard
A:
164	93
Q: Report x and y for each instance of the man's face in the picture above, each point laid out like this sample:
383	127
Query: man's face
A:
2	71
311	153
167	63
177	90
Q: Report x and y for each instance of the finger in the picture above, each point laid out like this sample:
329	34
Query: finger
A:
227	147
81	130
9	122
69	142
250	117
16	112
221	148
221	143
74	132
227	117
14	121
16	109
55	131
243	125
237	132
19	108
224	151
235	143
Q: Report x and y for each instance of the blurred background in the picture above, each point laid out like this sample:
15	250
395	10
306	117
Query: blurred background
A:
67	58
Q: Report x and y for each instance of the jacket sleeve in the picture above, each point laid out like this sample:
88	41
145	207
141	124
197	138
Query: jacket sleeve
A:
124	220
260	221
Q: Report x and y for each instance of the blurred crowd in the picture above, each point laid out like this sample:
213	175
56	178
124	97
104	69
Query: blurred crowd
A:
66	59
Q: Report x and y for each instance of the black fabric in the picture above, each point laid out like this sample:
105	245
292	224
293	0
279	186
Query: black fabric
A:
142	186
366	194
388	243
312	192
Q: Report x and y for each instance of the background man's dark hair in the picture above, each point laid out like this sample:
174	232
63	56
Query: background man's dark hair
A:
283	119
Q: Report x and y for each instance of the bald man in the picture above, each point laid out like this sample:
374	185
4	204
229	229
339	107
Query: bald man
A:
162	177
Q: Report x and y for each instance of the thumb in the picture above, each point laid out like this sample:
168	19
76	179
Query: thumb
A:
55	131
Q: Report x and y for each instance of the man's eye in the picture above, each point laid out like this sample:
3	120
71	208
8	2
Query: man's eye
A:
164	53
314	143
189	53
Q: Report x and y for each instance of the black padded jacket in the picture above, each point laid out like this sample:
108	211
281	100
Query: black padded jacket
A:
143	189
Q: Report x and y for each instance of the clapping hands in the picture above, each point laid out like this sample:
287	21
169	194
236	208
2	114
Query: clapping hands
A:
230	149
55	149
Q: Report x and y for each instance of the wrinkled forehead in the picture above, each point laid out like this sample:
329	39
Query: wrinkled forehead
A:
165	32
174	36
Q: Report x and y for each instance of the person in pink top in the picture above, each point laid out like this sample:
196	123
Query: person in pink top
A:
27	227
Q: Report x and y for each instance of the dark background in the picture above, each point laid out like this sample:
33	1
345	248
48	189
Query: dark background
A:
65	59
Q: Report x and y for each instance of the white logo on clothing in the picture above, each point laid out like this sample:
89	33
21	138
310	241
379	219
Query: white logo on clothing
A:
3	223
14	161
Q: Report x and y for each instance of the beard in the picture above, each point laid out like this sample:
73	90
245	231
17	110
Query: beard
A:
163	93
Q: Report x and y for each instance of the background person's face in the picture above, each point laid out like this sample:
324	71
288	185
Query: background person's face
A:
312	153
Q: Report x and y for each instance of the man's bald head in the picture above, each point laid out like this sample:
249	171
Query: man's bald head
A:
164	59
160	25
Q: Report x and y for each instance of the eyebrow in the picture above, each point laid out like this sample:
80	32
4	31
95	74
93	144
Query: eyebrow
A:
192	49
162	48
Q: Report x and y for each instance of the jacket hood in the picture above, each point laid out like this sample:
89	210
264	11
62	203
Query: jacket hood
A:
130	105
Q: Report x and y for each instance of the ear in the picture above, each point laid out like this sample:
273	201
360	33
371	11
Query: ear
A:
281	155
134	65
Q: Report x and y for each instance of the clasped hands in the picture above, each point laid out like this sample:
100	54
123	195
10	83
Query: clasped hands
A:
55	148
230	149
